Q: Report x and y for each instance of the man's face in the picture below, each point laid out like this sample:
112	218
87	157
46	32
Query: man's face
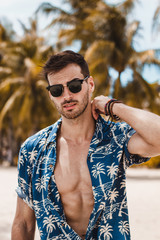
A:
71	105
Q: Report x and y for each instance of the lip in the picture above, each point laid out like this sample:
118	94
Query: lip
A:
69	106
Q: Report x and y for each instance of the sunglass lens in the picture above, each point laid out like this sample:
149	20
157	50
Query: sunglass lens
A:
56	91
75	86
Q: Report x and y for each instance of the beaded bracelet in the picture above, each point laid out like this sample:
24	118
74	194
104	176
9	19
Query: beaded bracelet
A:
109	109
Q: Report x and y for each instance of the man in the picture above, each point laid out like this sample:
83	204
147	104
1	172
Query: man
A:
72	174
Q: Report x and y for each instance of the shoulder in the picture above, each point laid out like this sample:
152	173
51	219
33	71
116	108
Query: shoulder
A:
39	139
35	139
115	127
121	127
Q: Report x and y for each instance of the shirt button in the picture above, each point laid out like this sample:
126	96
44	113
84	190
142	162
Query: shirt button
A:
50	165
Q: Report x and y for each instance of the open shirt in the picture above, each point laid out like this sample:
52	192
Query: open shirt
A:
107	160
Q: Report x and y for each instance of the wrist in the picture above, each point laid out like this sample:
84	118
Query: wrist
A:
110	107
118	108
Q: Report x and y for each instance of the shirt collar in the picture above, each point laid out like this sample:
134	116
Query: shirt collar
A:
97	134
53	134
99	128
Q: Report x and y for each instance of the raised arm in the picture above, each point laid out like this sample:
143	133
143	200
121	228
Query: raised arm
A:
23	227
146	140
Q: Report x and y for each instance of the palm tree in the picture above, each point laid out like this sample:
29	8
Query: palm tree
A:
112	170
98	169
6	47
141	94
112	195
49	222
7	35
107	43
72	22
25	107
124	228
115	50
106	232
41	183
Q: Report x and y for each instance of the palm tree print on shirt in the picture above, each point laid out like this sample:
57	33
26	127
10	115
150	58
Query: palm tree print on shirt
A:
124	228
109	219
106	232
49	222
99	169
112	170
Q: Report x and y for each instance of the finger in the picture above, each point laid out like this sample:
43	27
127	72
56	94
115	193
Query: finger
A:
95	115
94	111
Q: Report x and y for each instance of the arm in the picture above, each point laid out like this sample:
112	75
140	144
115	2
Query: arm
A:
23	227
146	140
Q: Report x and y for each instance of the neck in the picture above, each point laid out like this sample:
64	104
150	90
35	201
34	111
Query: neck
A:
79	129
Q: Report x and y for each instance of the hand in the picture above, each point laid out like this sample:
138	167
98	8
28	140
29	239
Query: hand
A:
98	105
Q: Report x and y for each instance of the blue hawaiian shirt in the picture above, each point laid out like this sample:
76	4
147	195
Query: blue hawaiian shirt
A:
107	160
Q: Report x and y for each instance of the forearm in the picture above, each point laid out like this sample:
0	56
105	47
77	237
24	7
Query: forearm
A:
146	141
20	232
146	124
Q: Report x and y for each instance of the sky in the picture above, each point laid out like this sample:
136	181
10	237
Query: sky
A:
15	10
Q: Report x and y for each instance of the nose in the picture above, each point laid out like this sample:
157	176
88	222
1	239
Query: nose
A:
66	93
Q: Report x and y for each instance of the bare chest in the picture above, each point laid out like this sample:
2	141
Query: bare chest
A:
71	170
74	184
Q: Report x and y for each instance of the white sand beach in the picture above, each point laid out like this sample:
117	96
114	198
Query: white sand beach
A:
143	186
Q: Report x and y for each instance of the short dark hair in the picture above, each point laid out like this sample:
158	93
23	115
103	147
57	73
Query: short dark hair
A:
60	60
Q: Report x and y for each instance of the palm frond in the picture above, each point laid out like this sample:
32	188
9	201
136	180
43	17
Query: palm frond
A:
10	81
9	104
146	85
48	8
156	20
100	48
25	110
127	6
41	84
23	26
4	72
65	19
132	30
117	88
141	59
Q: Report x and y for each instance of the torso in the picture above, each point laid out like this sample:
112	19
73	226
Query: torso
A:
74	183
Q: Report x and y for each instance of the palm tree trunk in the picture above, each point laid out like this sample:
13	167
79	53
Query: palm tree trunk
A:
117	87
102	187
10	142
120	211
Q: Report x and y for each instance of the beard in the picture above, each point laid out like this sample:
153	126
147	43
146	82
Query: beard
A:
72	114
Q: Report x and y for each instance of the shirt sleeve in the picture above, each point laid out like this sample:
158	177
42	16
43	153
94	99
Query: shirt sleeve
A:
24	189
129	158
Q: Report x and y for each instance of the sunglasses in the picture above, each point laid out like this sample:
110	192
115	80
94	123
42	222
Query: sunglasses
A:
74	86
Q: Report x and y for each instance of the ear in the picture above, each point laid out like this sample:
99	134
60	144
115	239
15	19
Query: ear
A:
91	84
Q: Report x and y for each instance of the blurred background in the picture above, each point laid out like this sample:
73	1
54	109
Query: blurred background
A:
120	41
